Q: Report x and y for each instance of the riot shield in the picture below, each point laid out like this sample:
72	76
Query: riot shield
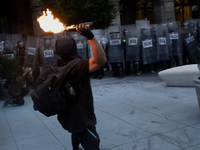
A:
8	50
104	39
31	52
81	43
142	24
190	45
57	35
21	51
131	43
97	34
47	52
153	30
5	37
115	49
175	38
15	38
193	26
104	42
7	43
163	42
149	54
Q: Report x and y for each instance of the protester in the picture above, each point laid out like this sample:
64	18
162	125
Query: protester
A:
79	118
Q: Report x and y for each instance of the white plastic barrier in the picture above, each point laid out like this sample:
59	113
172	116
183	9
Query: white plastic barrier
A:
180	76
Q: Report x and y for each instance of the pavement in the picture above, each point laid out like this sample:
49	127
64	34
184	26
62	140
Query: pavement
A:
133	113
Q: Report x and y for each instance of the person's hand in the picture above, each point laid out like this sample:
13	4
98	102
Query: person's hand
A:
31	73
84	30
26	70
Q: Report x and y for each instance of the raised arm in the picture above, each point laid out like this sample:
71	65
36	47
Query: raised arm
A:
99	58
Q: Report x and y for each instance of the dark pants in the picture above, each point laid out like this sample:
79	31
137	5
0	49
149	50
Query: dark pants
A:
19	99
99	73
117	69
89	139
176	59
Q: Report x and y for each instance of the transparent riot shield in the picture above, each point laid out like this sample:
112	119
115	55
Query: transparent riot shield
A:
7	43
193	26
142	24
131	44
198	31
149	54
104	40
163	42
5	37
1	46
190	44
31	52
47	55
8	50
57	35
115	49
15	38
81	43
175	38
97	34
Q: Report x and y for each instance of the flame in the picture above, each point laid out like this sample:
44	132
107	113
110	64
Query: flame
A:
49	24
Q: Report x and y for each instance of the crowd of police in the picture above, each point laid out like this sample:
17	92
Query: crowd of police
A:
137	48
145	47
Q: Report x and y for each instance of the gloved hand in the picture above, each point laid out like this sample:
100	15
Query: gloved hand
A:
84	30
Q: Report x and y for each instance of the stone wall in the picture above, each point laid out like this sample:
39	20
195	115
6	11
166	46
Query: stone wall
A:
36	12
164	11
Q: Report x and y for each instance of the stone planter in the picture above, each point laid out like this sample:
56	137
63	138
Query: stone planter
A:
197	87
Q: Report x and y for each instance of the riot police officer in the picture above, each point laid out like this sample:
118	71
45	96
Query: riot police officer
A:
47	57
21	51
115	53
189	44
148	51
131	49
176	42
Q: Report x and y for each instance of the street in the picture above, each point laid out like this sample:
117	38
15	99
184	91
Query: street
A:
133	113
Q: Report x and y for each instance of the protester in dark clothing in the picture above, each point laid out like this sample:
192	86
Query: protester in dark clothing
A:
16	85
79	118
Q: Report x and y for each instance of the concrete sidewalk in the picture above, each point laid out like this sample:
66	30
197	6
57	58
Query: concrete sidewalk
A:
133	113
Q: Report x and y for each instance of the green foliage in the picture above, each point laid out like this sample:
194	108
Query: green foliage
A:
8	66
101	12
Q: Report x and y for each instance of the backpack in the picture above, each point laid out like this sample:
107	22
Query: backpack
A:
50	95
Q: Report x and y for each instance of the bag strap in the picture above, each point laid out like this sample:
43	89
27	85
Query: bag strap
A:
70	65
66	69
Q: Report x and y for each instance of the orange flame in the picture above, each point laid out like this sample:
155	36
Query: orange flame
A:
49	24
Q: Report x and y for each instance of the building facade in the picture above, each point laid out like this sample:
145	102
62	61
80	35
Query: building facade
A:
20	16
159	11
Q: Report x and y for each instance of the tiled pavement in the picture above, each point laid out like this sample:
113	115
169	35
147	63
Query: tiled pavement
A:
133	113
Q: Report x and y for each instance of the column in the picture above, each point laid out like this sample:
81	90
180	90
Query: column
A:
36	12
164	11
116	22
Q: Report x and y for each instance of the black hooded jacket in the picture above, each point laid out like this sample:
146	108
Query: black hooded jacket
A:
79	114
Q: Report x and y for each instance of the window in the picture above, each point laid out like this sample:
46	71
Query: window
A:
183	10
145	10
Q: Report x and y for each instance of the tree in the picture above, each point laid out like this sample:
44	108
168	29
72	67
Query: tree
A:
101	12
